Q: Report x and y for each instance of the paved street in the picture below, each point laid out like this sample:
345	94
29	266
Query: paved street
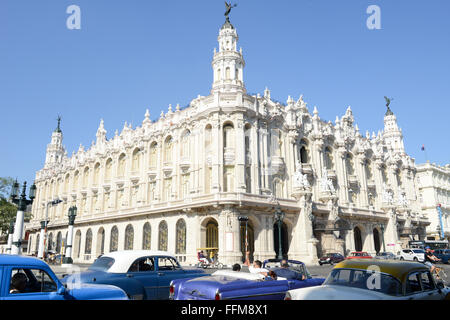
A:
316	271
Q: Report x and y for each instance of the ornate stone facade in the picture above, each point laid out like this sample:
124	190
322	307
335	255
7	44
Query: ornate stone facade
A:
180	183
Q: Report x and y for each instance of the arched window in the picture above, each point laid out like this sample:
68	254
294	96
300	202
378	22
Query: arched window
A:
58	242
275	142
349	164
96	173
219	74
228	136
136	161
212	234
227	73
304	152
147	237
66	183
162	236
77	244
85	177
129	237
185	144
114	241
108	169
368	169
328	154
76	180
168	145
153	155
121	167
88	243
180	237
358	239
50	242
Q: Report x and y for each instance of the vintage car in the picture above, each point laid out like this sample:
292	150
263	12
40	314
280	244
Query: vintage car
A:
331	258
443	254
375	280
239	285
386	256
359	255
143	275
28	278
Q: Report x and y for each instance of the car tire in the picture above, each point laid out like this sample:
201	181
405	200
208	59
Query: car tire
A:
220	266
331	263
320	263
401	258
415	259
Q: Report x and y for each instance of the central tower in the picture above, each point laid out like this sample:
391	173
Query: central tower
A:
228	63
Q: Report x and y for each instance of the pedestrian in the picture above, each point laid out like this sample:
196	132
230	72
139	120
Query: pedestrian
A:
237	267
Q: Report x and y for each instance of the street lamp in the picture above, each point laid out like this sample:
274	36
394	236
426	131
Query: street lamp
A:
279	216
382	236
22	202
441	225
44	224
72	215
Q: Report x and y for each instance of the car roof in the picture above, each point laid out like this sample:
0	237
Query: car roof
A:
124	259
8	259
398	269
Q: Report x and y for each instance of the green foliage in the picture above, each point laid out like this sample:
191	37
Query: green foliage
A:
5	187
7	214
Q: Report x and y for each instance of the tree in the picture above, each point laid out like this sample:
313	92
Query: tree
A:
7	209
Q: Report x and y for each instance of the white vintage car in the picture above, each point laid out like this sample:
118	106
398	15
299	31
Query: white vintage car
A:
362	279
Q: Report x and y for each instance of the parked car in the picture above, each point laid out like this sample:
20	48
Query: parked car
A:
331	258
28	278
239	285
359	255
386	256
412	255
143	275
394	280
443	254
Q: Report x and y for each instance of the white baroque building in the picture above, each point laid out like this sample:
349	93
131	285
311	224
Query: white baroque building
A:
181	182
433	183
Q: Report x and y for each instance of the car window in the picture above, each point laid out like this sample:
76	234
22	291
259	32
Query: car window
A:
418	251
143	265
413	283
31	280
167	263
361	279
427	281
102	264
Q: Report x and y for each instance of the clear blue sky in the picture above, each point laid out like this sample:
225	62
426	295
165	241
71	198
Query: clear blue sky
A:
135	54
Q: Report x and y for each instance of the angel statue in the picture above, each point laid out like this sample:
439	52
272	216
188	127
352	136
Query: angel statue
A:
229	6
388	101
300	179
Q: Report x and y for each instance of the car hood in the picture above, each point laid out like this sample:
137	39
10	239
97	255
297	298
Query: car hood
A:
330	292
83	291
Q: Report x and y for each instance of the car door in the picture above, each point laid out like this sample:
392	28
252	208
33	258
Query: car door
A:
143	270
407	255
431	292
168	269
40	284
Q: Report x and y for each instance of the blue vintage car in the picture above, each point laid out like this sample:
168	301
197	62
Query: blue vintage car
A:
237	285
28	278
443	254
142	274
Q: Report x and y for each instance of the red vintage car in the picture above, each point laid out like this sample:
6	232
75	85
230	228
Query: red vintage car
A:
359	255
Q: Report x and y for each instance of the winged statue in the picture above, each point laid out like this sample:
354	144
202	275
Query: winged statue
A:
229	6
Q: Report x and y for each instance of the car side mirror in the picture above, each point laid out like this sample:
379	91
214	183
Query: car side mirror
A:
61	290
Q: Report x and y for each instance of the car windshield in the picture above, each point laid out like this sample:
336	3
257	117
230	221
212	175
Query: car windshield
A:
362	279
102	264
418	251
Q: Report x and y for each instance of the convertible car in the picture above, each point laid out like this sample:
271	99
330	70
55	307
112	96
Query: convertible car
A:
237	285
28	278
375	280
143	275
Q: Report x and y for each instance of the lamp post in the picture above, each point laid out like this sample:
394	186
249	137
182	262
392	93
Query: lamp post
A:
22	202
382	237
72	215
10	237
247	254
279	216
44	224
442	234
